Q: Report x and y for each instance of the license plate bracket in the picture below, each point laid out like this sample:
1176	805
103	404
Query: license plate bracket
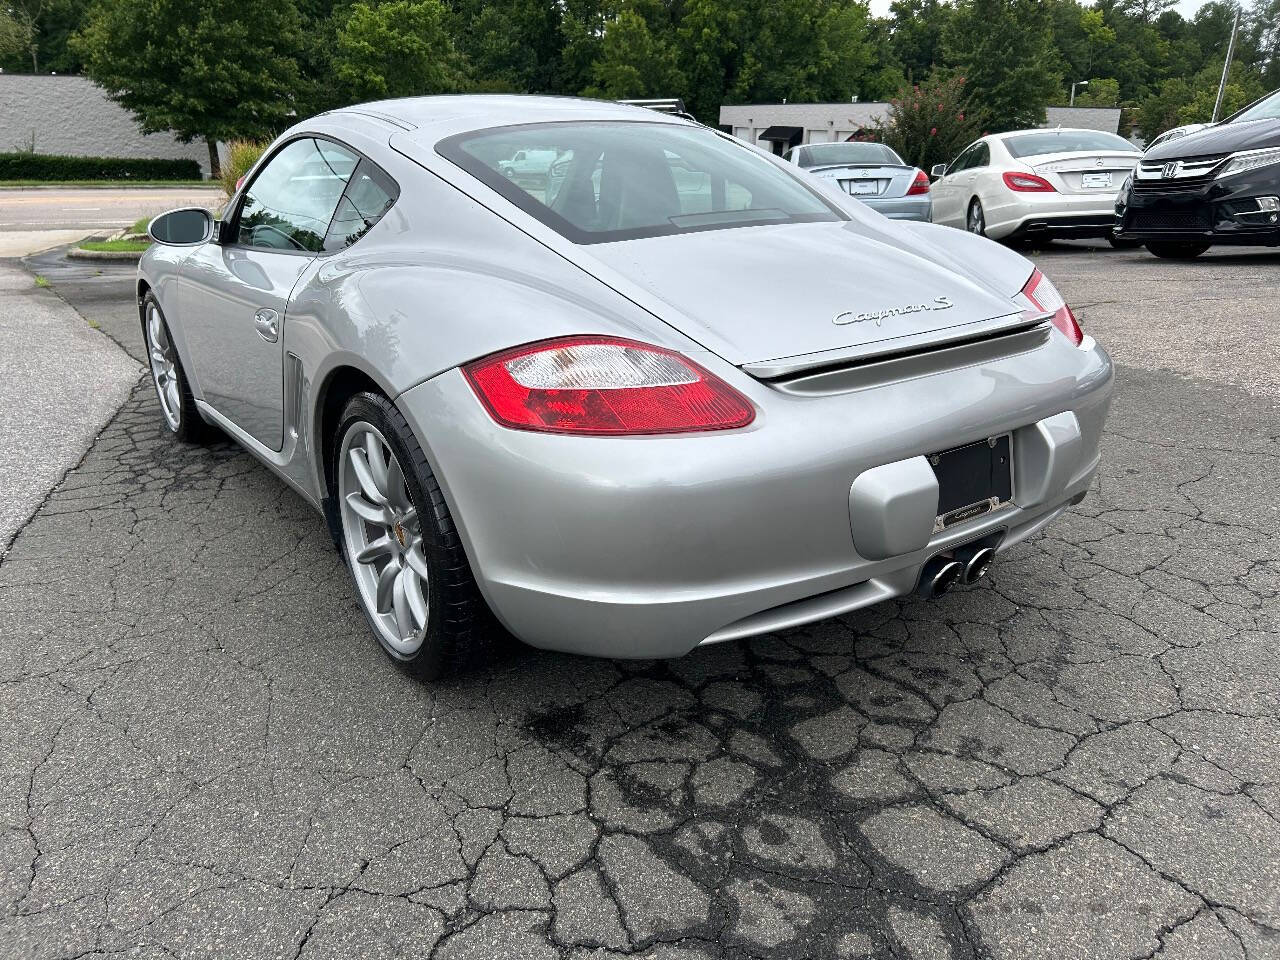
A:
973	480
1096	181
861	188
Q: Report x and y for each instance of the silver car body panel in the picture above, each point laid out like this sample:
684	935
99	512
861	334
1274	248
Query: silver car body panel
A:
641	546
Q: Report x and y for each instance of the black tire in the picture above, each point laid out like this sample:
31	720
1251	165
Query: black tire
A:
190	426
1119	244
1185	250
452	636
975	220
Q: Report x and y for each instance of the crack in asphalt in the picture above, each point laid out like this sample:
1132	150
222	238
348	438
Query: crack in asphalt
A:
203	750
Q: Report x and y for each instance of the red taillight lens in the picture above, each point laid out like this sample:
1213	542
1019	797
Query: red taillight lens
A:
604	386
1028	183
1044	297
919	185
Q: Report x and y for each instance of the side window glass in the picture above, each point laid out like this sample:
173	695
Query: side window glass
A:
290	203
370	194
962	162
981	156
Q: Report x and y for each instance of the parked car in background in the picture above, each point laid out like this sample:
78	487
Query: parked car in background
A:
870	172
1176	133
1035	184
1220	185
527	163
689	396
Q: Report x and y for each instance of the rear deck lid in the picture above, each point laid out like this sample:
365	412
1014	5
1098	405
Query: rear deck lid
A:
777	298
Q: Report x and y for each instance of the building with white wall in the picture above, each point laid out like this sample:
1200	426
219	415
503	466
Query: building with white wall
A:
782	125
72	116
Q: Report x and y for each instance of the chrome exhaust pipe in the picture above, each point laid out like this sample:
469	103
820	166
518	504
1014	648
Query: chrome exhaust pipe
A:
939	575
977	563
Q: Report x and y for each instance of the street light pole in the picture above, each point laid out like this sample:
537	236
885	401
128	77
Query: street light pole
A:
1226	66
1078	83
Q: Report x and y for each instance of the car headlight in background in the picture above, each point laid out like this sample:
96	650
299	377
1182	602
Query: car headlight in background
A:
1250	160
1039	296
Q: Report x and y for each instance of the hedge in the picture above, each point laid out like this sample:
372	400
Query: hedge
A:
38	166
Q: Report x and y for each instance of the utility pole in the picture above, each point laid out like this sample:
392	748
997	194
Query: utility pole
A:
1226	67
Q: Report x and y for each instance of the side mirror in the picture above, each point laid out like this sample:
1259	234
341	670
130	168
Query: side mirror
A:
939	170
184	227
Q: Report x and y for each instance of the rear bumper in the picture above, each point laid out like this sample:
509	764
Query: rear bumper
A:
918	208
1030	215
650	546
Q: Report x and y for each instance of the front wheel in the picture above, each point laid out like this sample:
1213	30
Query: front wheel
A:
976	219
177	405
1178	251
412	577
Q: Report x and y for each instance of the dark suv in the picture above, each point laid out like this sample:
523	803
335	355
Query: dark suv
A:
1218	186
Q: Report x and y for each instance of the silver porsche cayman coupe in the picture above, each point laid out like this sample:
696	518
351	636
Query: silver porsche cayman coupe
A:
645	389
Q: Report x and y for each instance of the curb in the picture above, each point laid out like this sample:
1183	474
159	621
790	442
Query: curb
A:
77	253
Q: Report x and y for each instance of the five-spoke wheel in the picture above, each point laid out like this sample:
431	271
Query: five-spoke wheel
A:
167	376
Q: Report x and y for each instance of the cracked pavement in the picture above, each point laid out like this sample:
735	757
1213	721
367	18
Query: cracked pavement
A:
204	754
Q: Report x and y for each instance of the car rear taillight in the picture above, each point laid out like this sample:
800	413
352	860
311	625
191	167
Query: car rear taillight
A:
1043	297
919	185
604	386
1027	183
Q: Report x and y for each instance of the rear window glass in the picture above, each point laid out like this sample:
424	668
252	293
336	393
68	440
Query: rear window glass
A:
607	181
831	154
1065	141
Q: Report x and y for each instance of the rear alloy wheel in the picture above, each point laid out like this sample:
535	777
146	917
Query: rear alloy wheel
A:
1178	251
412	577
976	220
177	404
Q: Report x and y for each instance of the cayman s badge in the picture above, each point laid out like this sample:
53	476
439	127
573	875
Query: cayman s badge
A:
849	316
1171	169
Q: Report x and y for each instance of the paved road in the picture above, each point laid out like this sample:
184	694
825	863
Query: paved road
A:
74	208
203	754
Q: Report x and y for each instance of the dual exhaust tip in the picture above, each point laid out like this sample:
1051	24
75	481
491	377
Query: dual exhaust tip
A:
967	566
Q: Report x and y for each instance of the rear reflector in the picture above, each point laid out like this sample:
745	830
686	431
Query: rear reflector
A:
1043	297
919	185
604	386
1027	183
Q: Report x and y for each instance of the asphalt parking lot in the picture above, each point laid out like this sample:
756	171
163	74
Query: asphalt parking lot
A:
204	754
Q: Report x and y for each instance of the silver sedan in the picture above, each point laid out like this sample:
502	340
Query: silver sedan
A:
872	173
673	392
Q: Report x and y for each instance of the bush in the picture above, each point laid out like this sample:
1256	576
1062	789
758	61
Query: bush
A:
930	122
241	155
38	166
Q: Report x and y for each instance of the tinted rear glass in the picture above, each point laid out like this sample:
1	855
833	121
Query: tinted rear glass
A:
829	154
1065	141
598	182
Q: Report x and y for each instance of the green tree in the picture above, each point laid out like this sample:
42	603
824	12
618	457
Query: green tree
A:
1004	50
397	49
20	31
204	69
916	34
1101	92
633	62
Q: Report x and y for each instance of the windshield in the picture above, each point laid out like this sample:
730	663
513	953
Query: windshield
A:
1268	109
1065	141
599	182
850	154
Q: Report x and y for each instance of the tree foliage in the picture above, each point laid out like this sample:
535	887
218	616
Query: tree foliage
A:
928	122
397	49
205	69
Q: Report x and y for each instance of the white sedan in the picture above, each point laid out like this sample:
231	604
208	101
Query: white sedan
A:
1031	184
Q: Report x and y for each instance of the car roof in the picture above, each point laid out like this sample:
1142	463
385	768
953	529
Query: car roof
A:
428	119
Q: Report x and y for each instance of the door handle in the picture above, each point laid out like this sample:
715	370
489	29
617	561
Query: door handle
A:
267	323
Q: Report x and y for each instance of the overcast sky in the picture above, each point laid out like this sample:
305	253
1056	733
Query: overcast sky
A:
1187	8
